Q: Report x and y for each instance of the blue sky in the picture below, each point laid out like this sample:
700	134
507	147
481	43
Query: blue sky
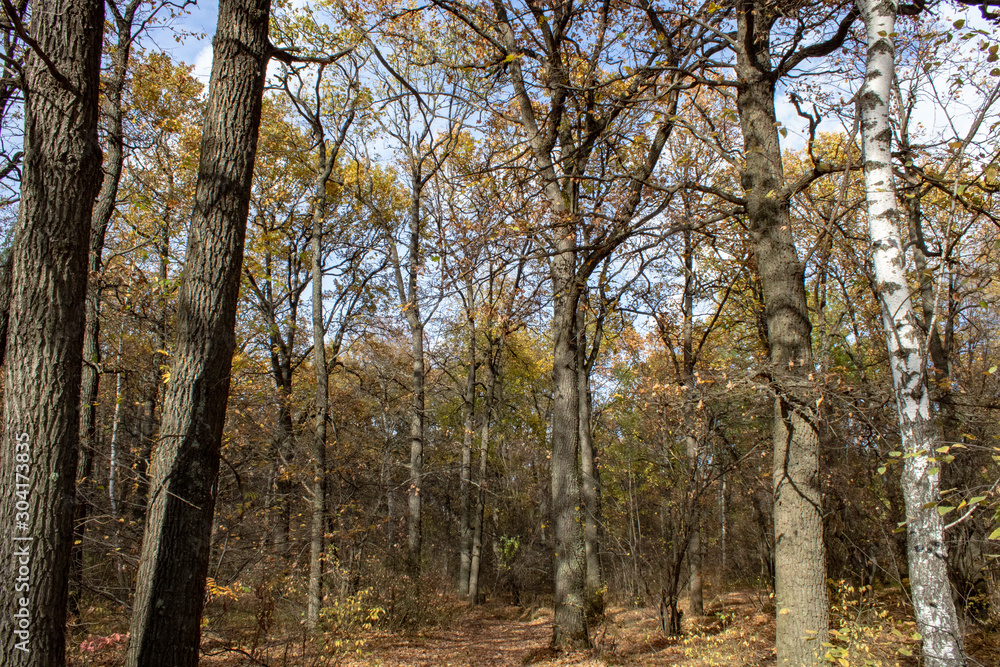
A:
200	18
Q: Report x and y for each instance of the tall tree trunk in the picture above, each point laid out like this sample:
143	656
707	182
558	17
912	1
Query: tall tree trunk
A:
414	499
930	590
469	416
318	526
166	619
964	539
690	425
484	450
590	477
800	561
44	352
570	627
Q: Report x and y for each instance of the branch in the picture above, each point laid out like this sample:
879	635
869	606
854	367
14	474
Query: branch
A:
23	34
819	49
288	56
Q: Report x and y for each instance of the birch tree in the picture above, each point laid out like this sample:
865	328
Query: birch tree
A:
925	540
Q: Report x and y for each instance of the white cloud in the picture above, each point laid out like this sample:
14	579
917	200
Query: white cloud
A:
203	64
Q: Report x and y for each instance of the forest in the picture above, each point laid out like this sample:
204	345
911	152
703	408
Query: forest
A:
500	332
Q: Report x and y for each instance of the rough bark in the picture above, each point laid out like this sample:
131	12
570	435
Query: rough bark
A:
589	474
166	619
570	627
930	589
48	270
800	567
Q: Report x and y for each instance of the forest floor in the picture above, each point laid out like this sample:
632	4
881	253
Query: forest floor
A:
737	631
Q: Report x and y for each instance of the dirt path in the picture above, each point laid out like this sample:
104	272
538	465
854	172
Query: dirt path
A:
481	641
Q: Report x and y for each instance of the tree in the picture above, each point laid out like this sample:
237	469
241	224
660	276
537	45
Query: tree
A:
925	540
800	568
166	621
312	107
424	126
593	125
277	276
43	358
114	87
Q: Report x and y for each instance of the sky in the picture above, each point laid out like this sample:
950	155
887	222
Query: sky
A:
193	50
201	19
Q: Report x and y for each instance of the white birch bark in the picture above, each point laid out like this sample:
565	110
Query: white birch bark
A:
926	551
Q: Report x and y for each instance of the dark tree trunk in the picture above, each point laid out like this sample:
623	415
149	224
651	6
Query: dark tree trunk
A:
166	620
591	485
570	627
800	562
44	354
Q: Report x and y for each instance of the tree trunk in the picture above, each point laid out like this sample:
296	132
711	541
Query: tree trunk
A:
926	552
469	416
44	353
800	561
691	439
594	584
570	627
166	619
283	442
318	526
484	450
965	539
414	500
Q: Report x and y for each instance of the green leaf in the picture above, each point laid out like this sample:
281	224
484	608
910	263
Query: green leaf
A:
944	509
995	534
881	470
933	471
959	24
